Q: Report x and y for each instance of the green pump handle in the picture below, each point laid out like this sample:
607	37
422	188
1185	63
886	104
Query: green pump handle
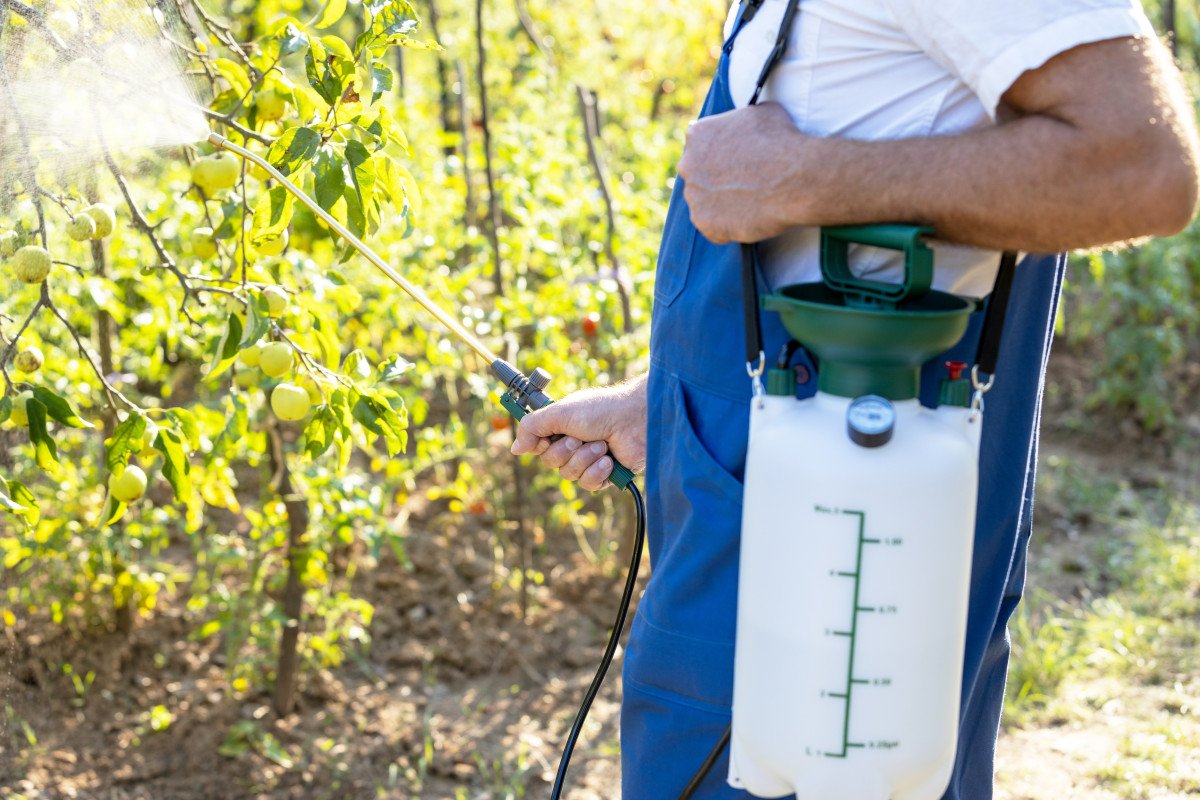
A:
908	239
621	475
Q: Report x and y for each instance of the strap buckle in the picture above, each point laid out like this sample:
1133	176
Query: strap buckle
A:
755	372
980	390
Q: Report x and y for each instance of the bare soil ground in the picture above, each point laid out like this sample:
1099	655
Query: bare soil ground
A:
457	696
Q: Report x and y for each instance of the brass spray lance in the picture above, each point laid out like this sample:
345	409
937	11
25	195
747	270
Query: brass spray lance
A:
523	393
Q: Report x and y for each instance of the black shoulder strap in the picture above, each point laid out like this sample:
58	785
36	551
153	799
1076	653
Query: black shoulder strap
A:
785	28
993	320
754	344
755	358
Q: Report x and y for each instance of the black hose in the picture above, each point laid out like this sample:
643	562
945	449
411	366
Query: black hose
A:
613	639
707	766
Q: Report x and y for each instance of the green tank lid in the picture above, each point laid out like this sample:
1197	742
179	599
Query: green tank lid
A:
872	338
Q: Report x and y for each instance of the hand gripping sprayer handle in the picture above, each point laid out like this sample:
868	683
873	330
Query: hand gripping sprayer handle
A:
526	394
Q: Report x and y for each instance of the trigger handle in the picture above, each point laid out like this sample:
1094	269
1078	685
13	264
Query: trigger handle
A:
621	475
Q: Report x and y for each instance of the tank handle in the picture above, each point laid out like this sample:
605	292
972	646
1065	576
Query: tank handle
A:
908	239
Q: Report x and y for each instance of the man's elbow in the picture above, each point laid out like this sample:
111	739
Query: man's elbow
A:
1174	194
1170	180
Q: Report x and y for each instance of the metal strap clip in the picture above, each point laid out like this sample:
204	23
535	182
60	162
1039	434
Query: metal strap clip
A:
755	372
980	390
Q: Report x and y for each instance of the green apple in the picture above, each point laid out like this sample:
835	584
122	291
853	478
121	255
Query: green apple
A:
277	300
216	172
29	360
82	228
275	359
31	264
8	243
290	402
251	355
203	244
128	485
105	218
271	103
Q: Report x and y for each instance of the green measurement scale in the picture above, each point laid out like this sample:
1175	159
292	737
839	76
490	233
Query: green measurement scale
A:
845	693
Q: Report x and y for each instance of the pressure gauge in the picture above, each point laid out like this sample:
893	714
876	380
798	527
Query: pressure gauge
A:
870	420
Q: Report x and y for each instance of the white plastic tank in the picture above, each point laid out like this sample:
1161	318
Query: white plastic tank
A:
852	602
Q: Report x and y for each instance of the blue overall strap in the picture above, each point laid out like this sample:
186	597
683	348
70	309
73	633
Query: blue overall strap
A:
748	10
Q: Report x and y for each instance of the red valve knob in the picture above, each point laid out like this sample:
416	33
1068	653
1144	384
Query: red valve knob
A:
956	369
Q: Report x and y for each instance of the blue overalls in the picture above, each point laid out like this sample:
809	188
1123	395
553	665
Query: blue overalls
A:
678	671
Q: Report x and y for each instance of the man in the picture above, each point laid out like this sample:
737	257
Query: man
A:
1025	125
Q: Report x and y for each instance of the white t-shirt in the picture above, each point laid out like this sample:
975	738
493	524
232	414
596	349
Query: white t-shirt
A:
893	69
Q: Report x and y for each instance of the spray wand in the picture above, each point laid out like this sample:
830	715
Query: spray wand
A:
523	394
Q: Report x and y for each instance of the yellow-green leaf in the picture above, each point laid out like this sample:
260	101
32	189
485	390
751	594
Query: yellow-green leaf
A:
272	215
126	439
233	72
45	452
331	13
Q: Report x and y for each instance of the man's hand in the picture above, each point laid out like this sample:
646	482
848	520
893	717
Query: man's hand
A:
739	170
593	421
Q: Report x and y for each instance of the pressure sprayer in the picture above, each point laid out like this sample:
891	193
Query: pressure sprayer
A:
522	394
855	562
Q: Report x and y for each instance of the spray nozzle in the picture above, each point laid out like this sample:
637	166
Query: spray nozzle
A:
525	391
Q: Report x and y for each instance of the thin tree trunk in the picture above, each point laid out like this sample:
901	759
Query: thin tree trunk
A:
446	104
1168	23
532	32
296	511
464	116
493	227
124	612
588	109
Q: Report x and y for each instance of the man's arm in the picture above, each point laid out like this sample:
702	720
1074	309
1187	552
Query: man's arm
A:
1099	146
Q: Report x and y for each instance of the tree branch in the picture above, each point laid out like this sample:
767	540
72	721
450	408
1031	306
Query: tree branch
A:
494	219
26	160
222	31
37	20
226	119
12	345
591	132
531	31
143	225
113	393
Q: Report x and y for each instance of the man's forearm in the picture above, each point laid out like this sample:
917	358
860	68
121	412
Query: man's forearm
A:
1035	183
1100	148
